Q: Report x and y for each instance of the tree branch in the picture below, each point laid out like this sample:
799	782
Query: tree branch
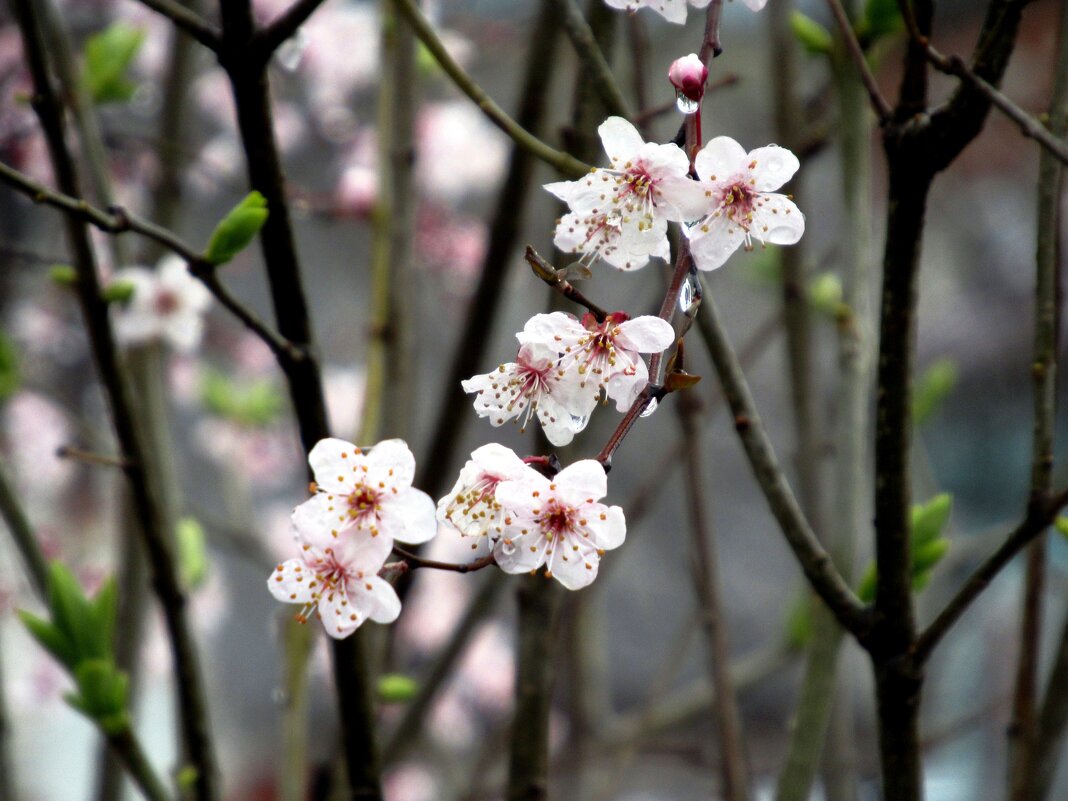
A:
187	21
270	37
599	73
879	103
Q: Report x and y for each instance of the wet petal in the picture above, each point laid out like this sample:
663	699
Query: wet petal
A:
332	462
721	159
290	582
621	140
772	166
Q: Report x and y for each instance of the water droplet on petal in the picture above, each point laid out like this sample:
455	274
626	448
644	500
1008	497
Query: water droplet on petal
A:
685	105
650	407
507	547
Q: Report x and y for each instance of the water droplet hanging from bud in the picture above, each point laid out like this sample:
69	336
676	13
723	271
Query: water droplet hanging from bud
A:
688	75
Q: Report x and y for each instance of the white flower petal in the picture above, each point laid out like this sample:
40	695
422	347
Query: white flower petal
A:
573	568
332	462
621	140
360	550
610	532
720	159
520	498
340	618
320	517
520	554
646	334
409	516
374	598
777	220
499	461
713	241
290	582
391	461
772	167
582	481
624	388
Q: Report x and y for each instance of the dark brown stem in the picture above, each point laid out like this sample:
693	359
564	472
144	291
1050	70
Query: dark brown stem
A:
710	44
860	62
187	21
271	36
415	561
547	273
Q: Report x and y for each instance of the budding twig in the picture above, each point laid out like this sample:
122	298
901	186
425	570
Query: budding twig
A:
547	273
415	561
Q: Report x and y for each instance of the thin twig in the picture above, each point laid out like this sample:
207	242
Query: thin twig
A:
414	561
426	34
274	33
814	560
188	21
89	457
117	220
547	273
710	43
860	62
22	533
1041	513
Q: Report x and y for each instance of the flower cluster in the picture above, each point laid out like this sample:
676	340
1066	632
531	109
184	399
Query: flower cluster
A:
621	213
530	521
566	366
346	530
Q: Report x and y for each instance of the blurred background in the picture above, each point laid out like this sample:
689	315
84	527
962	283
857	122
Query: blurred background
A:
632	718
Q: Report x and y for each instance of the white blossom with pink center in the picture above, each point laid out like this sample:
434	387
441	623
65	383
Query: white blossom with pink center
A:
559	523
337	576
366	492
167	304
673	10
471	507
527	387
620	213
741	203
601	358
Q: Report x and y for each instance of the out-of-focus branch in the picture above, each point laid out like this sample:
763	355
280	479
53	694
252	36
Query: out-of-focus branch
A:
425	32
118	220
814	560
188	21
270	37
18	524
196	739
599	73
860	61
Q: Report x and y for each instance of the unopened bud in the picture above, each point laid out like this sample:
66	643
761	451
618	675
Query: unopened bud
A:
688	75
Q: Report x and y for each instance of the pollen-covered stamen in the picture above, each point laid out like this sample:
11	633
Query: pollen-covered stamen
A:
526	387
476	509
364	506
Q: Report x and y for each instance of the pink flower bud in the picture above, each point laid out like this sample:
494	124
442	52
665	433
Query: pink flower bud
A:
688	75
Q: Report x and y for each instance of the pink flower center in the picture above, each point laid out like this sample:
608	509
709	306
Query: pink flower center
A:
557	519
166	302
364	505
738	201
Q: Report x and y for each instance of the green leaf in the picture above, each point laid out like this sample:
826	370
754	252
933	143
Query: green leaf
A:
237	229
253	404
926	556
799	622
928	519
1061	524
395	688
9	367
50	638
825	294
927	546
866	588
63	274
932	387
192	553
881	18
117	292
813	37
102	694
105	612
71	612
107	56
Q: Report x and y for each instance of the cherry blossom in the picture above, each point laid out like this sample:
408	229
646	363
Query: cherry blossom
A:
471	506
673	10
620	213
741	203
527	387
688	75
369	492
338	577
167	304
558	523
601	357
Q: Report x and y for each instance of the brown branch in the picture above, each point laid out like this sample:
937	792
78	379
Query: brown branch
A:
117	221
856	54
547	273
187	21
89	457
414	561
1040	514
270	37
